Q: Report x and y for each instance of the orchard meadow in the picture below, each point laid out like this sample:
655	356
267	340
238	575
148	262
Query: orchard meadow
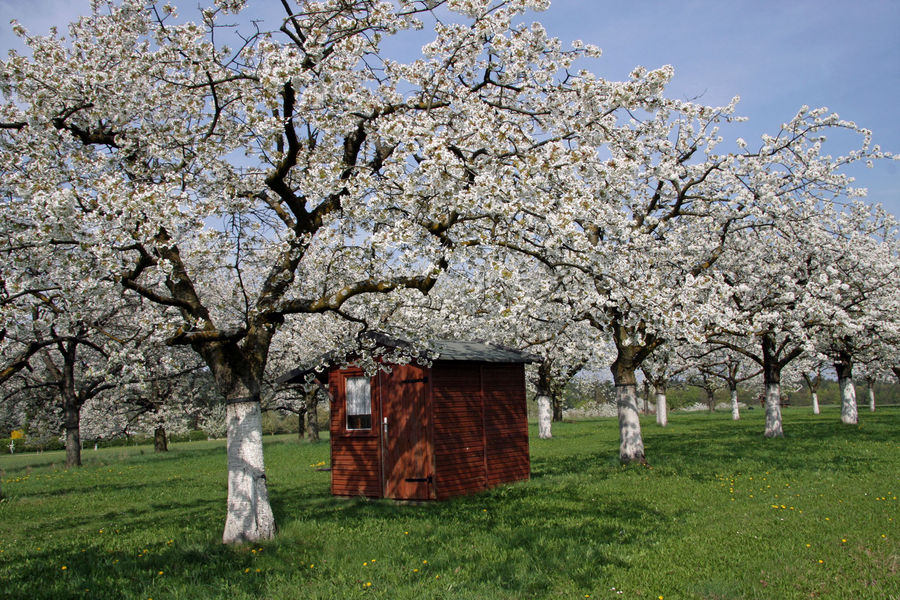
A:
720	513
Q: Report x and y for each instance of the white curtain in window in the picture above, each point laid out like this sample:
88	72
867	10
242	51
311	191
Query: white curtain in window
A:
358	396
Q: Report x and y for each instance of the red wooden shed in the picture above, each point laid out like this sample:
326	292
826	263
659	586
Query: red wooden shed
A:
429	432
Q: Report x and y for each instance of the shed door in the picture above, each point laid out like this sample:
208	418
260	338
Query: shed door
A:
404	429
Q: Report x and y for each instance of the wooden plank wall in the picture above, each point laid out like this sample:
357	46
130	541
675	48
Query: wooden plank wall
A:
480	426
355	456
457	435
479	433
506	424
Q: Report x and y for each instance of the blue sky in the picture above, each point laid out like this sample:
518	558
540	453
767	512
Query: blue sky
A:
775	55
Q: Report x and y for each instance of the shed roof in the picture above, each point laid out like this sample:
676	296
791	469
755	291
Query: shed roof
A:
437	350
452	350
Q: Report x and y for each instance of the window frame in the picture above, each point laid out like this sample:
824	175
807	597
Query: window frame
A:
358	431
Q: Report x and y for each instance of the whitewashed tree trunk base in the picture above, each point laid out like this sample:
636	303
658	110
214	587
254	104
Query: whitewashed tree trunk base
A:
545	417
849	411
662	414
249	516
774	426
871	399
815	403
631	448
735	409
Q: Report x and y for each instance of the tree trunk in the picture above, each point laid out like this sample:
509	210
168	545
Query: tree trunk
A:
311	412
545	417
312	424
871	397
237	373
301	424
662	415
896	371
71	417
557	410
735	409
843	364
774	426
249	516
160	441
631	443
772	381
710	399
646	397
815	403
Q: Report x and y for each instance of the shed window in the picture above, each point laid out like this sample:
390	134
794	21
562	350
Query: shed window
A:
359	403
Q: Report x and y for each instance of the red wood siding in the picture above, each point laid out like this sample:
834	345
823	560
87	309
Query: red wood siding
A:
480	426
355	455
506	423
456	405
462	424
405	447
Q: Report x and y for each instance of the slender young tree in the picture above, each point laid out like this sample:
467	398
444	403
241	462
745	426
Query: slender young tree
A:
812	368
661	367
730	367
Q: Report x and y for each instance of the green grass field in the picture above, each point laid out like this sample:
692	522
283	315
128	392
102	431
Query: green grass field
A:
721	513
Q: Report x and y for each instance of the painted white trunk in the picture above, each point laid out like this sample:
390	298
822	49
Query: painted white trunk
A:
735	409
545	417
631	448
871	399
249	516
815	401
773	410
849	413
662	414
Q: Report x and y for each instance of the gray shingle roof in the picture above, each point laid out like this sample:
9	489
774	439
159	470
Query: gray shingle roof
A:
452	350
437	350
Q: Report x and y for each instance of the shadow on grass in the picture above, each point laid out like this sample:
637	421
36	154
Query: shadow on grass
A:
810	444
201	570
504	538
514	538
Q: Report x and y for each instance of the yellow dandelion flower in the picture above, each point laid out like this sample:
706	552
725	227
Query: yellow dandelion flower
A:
161	572
424	562
415	570
64	568
437	576
368	584
405	533
821	561
365	564
808	545
312	566
843	540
